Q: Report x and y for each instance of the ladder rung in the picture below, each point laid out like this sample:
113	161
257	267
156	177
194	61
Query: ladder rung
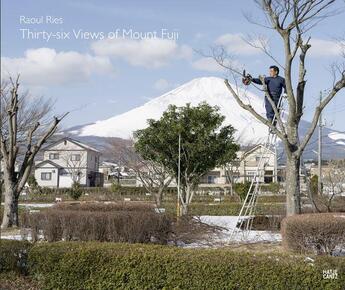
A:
250	201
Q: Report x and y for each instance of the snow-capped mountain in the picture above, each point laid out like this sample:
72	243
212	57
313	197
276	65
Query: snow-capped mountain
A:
214	92
211	89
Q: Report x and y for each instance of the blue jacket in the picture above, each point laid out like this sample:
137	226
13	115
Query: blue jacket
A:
275	86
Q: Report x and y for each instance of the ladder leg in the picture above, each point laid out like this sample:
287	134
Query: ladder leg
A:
248	209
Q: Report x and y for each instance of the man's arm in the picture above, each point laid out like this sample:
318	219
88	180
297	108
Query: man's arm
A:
257	81
284	86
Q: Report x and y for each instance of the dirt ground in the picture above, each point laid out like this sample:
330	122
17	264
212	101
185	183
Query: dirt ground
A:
261	247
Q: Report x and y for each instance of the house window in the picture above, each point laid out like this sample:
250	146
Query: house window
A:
46	176
53	156
75	157
210	179
250	175
263	160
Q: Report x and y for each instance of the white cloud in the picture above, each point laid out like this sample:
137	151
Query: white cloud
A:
149	52
185	52
235	43
45	66
162	85
207	64
210	65
325	48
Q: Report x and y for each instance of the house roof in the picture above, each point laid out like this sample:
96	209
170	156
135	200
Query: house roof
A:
107	163
48	161
76	142
250	149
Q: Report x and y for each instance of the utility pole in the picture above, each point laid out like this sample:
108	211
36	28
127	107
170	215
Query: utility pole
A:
319	183
178	176
0	154
275	164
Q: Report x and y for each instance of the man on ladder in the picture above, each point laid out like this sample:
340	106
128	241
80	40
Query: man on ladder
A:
275	85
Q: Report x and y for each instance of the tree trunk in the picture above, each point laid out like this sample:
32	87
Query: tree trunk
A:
293	198
184	209
158	197
10	216
187	197
231	187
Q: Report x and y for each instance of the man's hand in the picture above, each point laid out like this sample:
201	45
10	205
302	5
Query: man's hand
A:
246	80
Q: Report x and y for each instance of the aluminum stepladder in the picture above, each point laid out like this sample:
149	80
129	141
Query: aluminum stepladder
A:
246	216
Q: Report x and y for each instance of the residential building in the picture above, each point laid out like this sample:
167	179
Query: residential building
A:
245	168
108	169
67	161
242	170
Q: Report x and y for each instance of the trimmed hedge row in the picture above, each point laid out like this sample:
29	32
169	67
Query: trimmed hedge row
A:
225	208
131	223
72	265
321	233
13	256
137	193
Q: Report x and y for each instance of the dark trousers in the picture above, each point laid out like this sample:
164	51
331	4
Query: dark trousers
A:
269	109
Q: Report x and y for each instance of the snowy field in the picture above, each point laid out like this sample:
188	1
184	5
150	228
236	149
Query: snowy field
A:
226	236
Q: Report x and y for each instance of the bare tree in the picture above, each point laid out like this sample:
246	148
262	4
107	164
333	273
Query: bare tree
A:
152	176
23	130
232	171
232	168
291	20
75	166
333	183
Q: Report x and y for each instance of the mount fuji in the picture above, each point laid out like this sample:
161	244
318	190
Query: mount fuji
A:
213	91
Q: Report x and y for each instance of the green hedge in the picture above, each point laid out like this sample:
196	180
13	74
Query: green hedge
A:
204	194
119	266
13	256
227	208
92	265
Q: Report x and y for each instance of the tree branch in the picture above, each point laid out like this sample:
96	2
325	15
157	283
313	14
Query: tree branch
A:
250	109
337	87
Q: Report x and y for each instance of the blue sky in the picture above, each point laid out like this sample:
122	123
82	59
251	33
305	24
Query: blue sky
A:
99	78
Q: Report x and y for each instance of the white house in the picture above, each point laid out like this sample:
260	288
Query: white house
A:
108	169
245	168
67	161
250	161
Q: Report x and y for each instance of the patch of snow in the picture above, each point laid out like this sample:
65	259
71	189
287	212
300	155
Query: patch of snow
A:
336	135
308	259
339	252
11	237
228	224
38	205
73	132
